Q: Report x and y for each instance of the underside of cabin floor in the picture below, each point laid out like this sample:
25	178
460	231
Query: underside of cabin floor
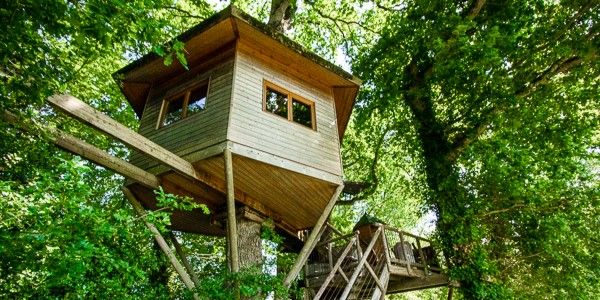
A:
294	201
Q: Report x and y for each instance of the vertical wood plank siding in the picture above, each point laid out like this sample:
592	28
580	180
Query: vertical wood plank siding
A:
196	132
264	131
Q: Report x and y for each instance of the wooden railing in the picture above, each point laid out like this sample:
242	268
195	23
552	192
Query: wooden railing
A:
410	252
359	265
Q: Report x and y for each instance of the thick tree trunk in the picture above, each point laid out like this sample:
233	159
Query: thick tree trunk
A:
281	14
249	242
447	196
249	238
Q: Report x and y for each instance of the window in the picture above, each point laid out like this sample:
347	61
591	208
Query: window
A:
183	105
288	105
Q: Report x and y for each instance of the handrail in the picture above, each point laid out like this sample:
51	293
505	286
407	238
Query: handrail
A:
364	274
406	233
335	239
335	268
361	264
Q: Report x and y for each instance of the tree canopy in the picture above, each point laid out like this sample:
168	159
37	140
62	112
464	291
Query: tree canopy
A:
481	116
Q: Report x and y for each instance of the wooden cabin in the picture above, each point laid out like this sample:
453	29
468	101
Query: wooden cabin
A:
281	110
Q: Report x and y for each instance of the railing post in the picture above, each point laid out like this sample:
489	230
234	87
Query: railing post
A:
408	267
388	262
422	255
358	248
330	255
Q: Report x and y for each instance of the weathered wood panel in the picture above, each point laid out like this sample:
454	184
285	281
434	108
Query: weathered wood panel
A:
199	131
255	128
278	193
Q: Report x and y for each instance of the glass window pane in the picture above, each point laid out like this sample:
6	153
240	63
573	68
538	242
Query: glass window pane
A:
302	113
174	110
277	102
197	100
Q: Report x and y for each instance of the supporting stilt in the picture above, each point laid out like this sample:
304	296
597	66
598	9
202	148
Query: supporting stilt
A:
184	260
312	239
232	236
161	241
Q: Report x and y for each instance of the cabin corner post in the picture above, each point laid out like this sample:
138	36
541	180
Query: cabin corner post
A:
232	241
313	238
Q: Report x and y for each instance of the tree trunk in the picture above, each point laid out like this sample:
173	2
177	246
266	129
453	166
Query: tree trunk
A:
281	14
249	242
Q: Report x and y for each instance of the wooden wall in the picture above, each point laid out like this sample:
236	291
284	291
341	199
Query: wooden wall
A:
198	131
264	131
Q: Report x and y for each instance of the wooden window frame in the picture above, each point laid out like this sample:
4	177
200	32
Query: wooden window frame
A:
187	92
290	98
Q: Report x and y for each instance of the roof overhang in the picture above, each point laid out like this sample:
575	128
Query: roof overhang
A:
230	27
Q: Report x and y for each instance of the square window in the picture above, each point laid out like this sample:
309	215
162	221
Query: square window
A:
276	102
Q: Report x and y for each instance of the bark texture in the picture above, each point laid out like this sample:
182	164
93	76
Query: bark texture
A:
249	242
281	14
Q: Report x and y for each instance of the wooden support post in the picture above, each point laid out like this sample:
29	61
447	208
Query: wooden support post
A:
161	241
313	238
232	241
184	260
89	152
388	261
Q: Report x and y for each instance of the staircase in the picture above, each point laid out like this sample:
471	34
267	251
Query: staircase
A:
363	265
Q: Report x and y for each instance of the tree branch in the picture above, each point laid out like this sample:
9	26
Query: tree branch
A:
335	20
560	66
468	137
183	11
475	9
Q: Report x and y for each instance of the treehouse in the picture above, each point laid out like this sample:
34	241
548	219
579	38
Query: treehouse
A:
279	109
251	127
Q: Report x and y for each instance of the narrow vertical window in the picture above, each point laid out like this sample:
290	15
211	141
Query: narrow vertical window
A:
277	102
197	101
302	113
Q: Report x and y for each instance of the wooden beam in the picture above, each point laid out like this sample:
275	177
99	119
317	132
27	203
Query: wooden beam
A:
89	152
231	222
96	119
184	260
161	241
312	239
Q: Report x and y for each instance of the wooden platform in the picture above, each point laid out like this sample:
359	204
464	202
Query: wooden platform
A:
365	265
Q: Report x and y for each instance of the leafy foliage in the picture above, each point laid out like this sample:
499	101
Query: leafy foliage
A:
497	104
484	114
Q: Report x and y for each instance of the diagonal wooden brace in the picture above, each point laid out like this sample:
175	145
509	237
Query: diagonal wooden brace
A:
313	238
